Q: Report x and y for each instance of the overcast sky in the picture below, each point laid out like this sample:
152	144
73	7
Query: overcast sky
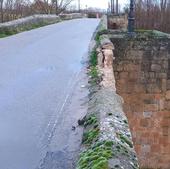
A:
99	3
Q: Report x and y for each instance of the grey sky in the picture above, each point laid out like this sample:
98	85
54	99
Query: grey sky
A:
98	3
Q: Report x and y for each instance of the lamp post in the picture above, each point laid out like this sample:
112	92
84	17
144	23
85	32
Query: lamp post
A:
79	5
131	19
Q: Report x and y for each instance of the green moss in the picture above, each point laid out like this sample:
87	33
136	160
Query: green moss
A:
94	75
2	35
93	72
96	156
92	119
126	140
97	39
108	143
125	121
90	136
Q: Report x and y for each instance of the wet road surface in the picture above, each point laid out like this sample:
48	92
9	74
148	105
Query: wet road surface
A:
41	95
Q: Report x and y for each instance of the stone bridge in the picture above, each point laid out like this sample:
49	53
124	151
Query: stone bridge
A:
142	73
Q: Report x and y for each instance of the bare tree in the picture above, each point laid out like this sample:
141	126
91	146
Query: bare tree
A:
61	5
1	10
153	14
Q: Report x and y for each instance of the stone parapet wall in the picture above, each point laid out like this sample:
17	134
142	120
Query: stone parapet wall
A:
142	73
24	23
72	16
19	24
107	141
113	122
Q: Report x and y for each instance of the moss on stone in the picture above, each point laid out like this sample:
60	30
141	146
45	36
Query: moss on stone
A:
110	114
92	119
125	121
90	136
96	156
5	31
93	72
93	58
126	140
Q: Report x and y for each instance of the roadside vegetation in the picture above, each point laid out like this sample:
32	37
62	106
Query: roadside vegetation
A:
104	144
4	32
97	152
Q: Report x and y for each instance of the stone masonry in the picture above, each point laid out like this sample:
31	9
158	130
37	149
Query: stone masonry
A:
117	21
142	73
20	24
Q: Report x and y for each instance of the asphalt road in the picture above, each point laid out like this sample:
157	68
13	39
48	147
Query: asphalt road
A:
41	95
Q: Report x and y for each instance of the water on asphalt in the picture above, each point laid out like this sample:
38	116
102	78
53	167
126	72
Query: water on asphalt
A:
41	95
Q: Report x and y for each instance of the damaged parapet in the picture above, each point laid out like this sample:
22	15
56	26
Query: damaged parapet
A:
107	141
105	62
113	122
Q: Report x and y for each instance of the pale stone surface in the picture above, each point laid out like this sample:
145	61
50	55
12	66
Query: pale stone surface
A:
106	68
108	46
168	95
100	58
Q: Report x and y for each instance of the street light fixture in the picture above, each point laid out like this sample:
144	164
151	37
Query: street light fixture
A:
131	19
79	5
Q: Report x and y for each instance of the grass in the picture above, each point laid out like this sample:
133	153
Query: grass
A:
93	72
93	58
97	39
93	69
